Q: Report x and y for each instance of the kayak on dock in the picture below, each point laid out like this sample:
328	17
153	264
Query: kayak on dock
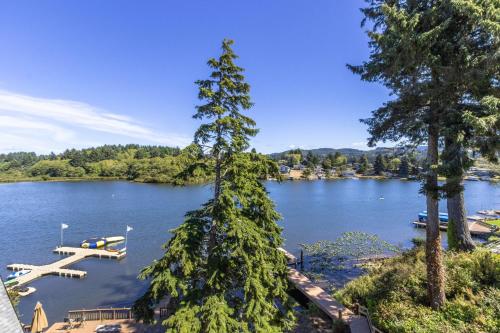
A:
114	239
18	274
98	242
476	226
443	217
10	283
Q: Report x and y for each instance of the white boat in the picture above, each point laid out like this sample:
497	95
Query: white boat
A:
490	212
24	291
114	239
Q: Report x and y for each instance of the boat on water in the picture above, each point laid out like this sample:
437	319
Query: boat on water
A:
18	274
24	291
490	213
98	242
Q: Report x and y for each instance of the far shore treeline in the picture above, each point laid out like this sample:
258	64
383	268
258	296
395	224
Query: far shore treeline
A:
163	164
173	165
153	164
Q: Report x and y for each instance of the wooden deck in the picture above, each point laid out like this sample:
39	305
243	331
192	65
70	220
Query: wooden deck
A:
126	325
93	318
58	268
476	228
331	307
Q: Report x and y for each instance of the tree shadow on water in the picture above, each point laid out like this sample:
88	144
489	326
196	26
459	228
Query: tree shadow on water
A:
122	291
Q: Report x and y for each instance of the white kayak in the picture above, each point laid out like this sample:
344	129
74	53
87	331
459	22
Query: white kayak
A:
114	239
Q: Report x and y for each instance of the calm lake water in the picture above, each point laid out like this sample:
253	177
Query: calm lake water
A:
31	214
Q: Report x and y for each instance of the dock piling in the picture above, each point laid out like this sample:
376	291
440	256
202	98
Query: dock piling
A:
301	260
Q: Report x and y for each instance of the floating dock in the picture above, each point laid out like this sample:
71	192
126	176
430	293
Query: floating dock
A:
57	268
332	308
476	228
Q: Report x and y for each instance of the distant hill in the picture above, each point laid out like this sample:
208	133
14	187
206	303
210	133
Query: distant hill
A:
356	153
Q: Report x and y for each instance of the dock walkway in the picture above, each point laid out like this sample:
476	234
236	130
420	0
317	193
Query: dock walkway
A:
58	268
331	307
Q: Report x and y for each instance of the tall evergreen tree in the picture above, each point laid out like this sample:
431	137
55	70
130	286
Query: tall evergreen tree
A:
363	164
402	38
469	69
312	159
404	167
222	267
326	163
380	164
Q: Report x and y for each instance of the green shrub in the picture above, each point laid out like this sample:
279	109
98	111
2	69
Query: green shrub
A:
395	293
56	168
112	168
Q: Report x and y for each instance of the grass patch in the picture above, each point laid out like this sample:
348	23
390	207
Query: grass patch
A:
395	293
494	222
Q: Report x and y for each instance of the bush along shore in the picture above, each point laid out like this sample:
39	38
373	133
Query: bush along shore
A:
394	290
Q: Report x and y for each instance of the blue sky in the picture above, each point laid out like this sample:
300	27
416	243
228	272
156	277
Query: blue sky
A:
86	73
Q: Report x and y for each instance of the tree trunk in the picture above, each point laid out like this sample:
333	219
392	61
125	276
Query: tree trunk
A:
459	237
212	242
433	250
460	227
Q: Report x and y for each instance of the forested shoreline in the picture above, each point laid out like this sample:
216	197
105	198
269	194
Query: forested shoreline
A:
173	165
148	164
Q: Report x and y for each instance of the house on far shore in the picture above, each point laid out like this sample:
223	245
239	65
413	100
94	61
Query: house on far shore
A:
387	174
9	322
284	169
479	172
348	173
299	167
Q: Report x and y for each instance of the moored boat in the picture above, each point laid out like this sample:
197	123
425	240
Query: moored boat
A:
491	213
24	291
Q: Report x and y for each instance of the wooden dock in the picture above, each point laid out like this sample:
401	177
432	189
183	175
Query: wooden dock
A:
291	259
476	228
58	268
332	308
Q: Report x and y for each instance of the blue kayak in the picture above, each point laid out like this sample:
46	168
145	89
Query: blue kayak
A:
18	274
